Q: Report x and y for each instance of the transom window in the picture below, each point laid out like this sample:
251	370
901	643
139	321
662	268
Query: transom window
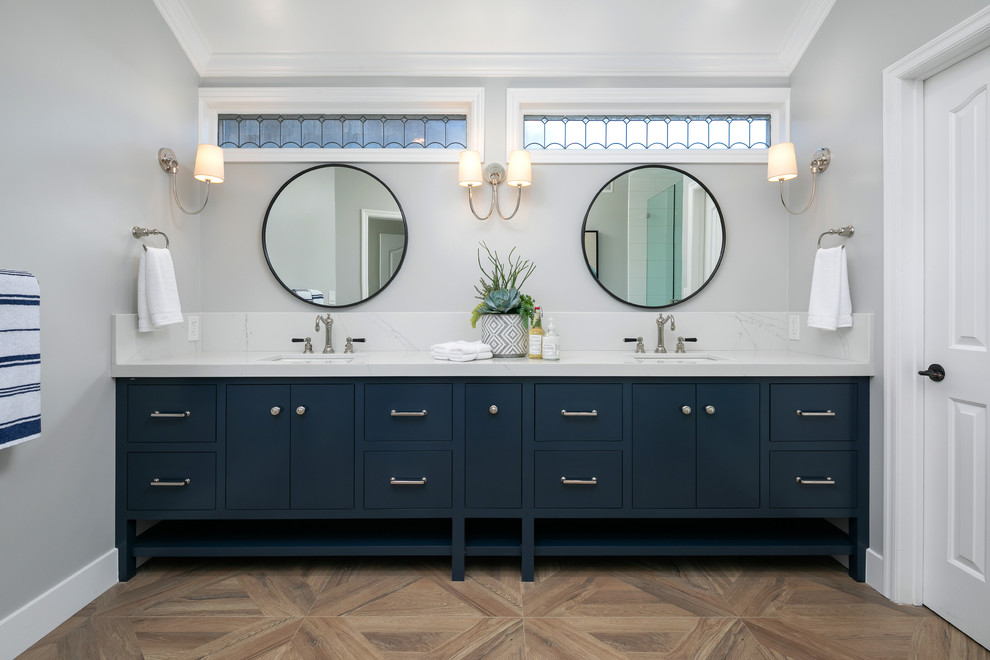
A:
340	131
646	131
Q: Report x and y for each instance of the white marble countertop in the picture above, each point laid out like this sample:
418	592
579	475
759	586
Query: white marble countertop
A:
229	364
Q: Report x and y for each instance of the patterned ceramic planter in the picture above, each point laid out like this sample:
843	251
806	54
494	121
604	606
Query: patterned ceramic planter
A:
505	334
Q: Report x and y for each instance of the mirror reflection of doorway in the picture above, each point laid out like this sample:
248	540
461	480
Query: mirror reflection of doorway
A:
663	247
382	245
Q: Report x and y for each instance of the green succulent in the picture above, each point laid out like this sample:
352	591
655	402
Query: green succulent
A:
499	289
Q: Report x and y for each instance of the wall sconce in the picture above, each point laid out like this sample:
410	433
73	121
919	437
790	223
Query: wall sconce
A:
209	168
519	175
782	166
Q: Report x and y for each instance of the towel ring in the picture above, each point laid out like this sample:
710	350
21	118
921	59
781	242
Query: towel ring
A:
841	231
141	232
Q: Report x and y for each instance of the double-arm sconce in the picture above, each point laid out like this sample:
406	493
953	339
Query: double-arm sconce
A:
519	175
209	168
782	166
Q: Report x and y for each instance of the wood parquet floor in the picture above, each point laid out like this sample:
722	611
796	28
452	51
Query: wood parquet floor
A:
591	609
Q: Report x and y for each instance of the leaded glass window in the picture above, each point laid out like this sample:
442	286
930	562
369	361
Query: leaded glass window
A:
350	131
618	132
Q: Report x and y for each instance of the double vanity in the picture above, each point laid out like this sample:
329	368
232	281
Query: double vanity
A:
389	452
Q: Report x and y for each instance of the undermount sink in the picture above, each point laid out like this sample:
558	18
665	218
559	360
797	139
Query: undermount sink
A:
676	358
310	358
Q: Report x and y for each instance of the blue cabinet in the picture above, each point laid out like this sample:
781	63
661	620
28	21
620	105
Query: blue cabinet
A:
290	446
520	467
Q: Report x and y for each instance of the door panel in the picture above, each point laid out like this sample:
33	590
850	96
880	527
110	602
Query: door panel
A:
258	447
322	443
728	446
957	297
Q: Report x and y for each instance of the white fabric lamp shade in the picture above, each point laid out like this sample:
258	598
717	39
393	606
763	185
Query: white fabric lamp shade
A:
209	163
520	171
469	169
781	162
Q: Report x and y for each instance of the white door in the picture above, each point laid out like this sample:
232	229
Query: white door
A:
957	337
389	256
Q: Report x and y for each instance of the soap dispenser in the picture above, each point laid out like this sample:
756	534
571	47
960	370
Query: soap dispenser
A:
551	342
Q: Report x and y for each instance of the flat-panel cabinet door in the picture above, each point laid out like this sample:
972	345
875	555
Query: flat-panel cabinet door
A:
322	442
729	446
493	446
257	472
663	446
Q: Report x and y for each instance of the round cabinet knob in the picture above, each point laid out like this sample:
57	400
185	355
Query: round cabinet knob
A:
710	410
686	410
276	410
301	410
493	409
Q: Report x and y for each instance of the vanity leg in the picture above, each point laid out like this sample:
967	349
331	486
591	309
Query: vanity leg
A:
457	550
859	533
528	550
126	562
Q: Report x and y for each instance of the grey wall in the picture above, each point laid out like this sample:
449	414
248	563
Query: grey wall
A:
90	91
609	216
837	101
440	266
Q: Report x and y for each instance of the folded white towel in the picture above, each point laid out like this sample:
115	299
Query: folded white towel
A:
20	358
461	351
158	296
830	306
469	357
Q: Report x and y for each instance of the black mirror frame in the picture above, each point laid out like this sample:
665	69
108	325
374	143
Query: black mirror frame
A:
405	235
584	228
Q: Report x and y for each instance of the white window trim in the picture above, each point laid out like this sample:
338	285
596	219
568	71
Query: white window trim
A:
775	101
214	101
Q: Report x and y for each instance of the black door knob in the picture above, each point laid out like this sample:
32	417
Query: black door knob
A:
934	371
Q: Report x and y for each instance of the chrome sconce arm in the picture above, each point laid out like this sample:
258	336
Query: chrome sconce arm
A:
208	169
518	175
782	166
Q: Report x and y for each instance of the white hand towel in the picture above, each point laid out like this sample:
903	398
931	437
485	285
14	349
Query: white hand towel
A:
830	306
469	348
158	296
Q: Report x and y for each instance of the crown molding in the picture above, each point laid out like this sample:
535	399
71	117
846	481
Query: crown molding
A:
515	65
186	32
808	24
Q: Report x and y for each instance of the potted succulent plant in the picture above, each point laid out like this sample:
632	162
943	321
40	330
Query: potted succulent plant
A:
504	311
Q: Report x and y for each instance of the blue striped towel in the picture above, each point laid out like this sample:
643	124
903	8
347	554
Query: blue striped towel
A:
20	358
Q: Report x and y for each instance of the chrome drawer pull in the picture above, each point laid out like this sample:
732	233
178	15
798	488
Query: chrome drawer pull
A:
593	413
395	413
805	413
173	484
161	414
407	482
579	482
827	481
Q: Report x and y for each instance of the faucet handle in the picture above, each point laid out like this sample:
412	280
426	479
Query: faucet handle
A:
308	346
680	343
639	343
349	347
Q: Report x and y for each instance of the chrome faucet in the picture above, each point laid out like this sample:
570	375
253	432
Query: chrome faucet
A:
662	321
328	326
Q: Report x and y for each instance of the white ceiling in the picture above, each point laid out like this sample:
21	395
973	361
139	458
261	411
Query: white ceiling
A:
264	38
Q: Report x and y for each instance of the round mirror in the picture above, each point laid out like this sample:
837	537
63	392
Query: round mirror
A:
653	236
334	235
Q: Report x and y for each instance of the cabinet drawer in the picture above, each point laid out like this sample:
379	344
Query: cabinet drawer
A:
413	413
169	472
813	413
171	413
407	480
579	413
578	479
832	477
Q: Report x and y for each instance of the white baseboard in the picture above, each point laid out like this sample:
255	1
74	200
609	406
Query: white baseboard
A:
24	627
874	571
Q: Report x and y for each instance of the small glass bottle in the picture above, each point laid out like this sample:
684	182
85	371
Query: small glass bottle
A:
551	342
536	335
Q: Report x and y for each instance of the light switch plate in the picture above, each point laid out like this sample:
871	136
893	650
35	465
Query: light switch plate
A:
794	327
192	325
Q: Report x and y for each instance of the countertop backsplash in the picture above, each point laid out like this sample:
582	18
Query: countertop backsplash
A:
417	331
